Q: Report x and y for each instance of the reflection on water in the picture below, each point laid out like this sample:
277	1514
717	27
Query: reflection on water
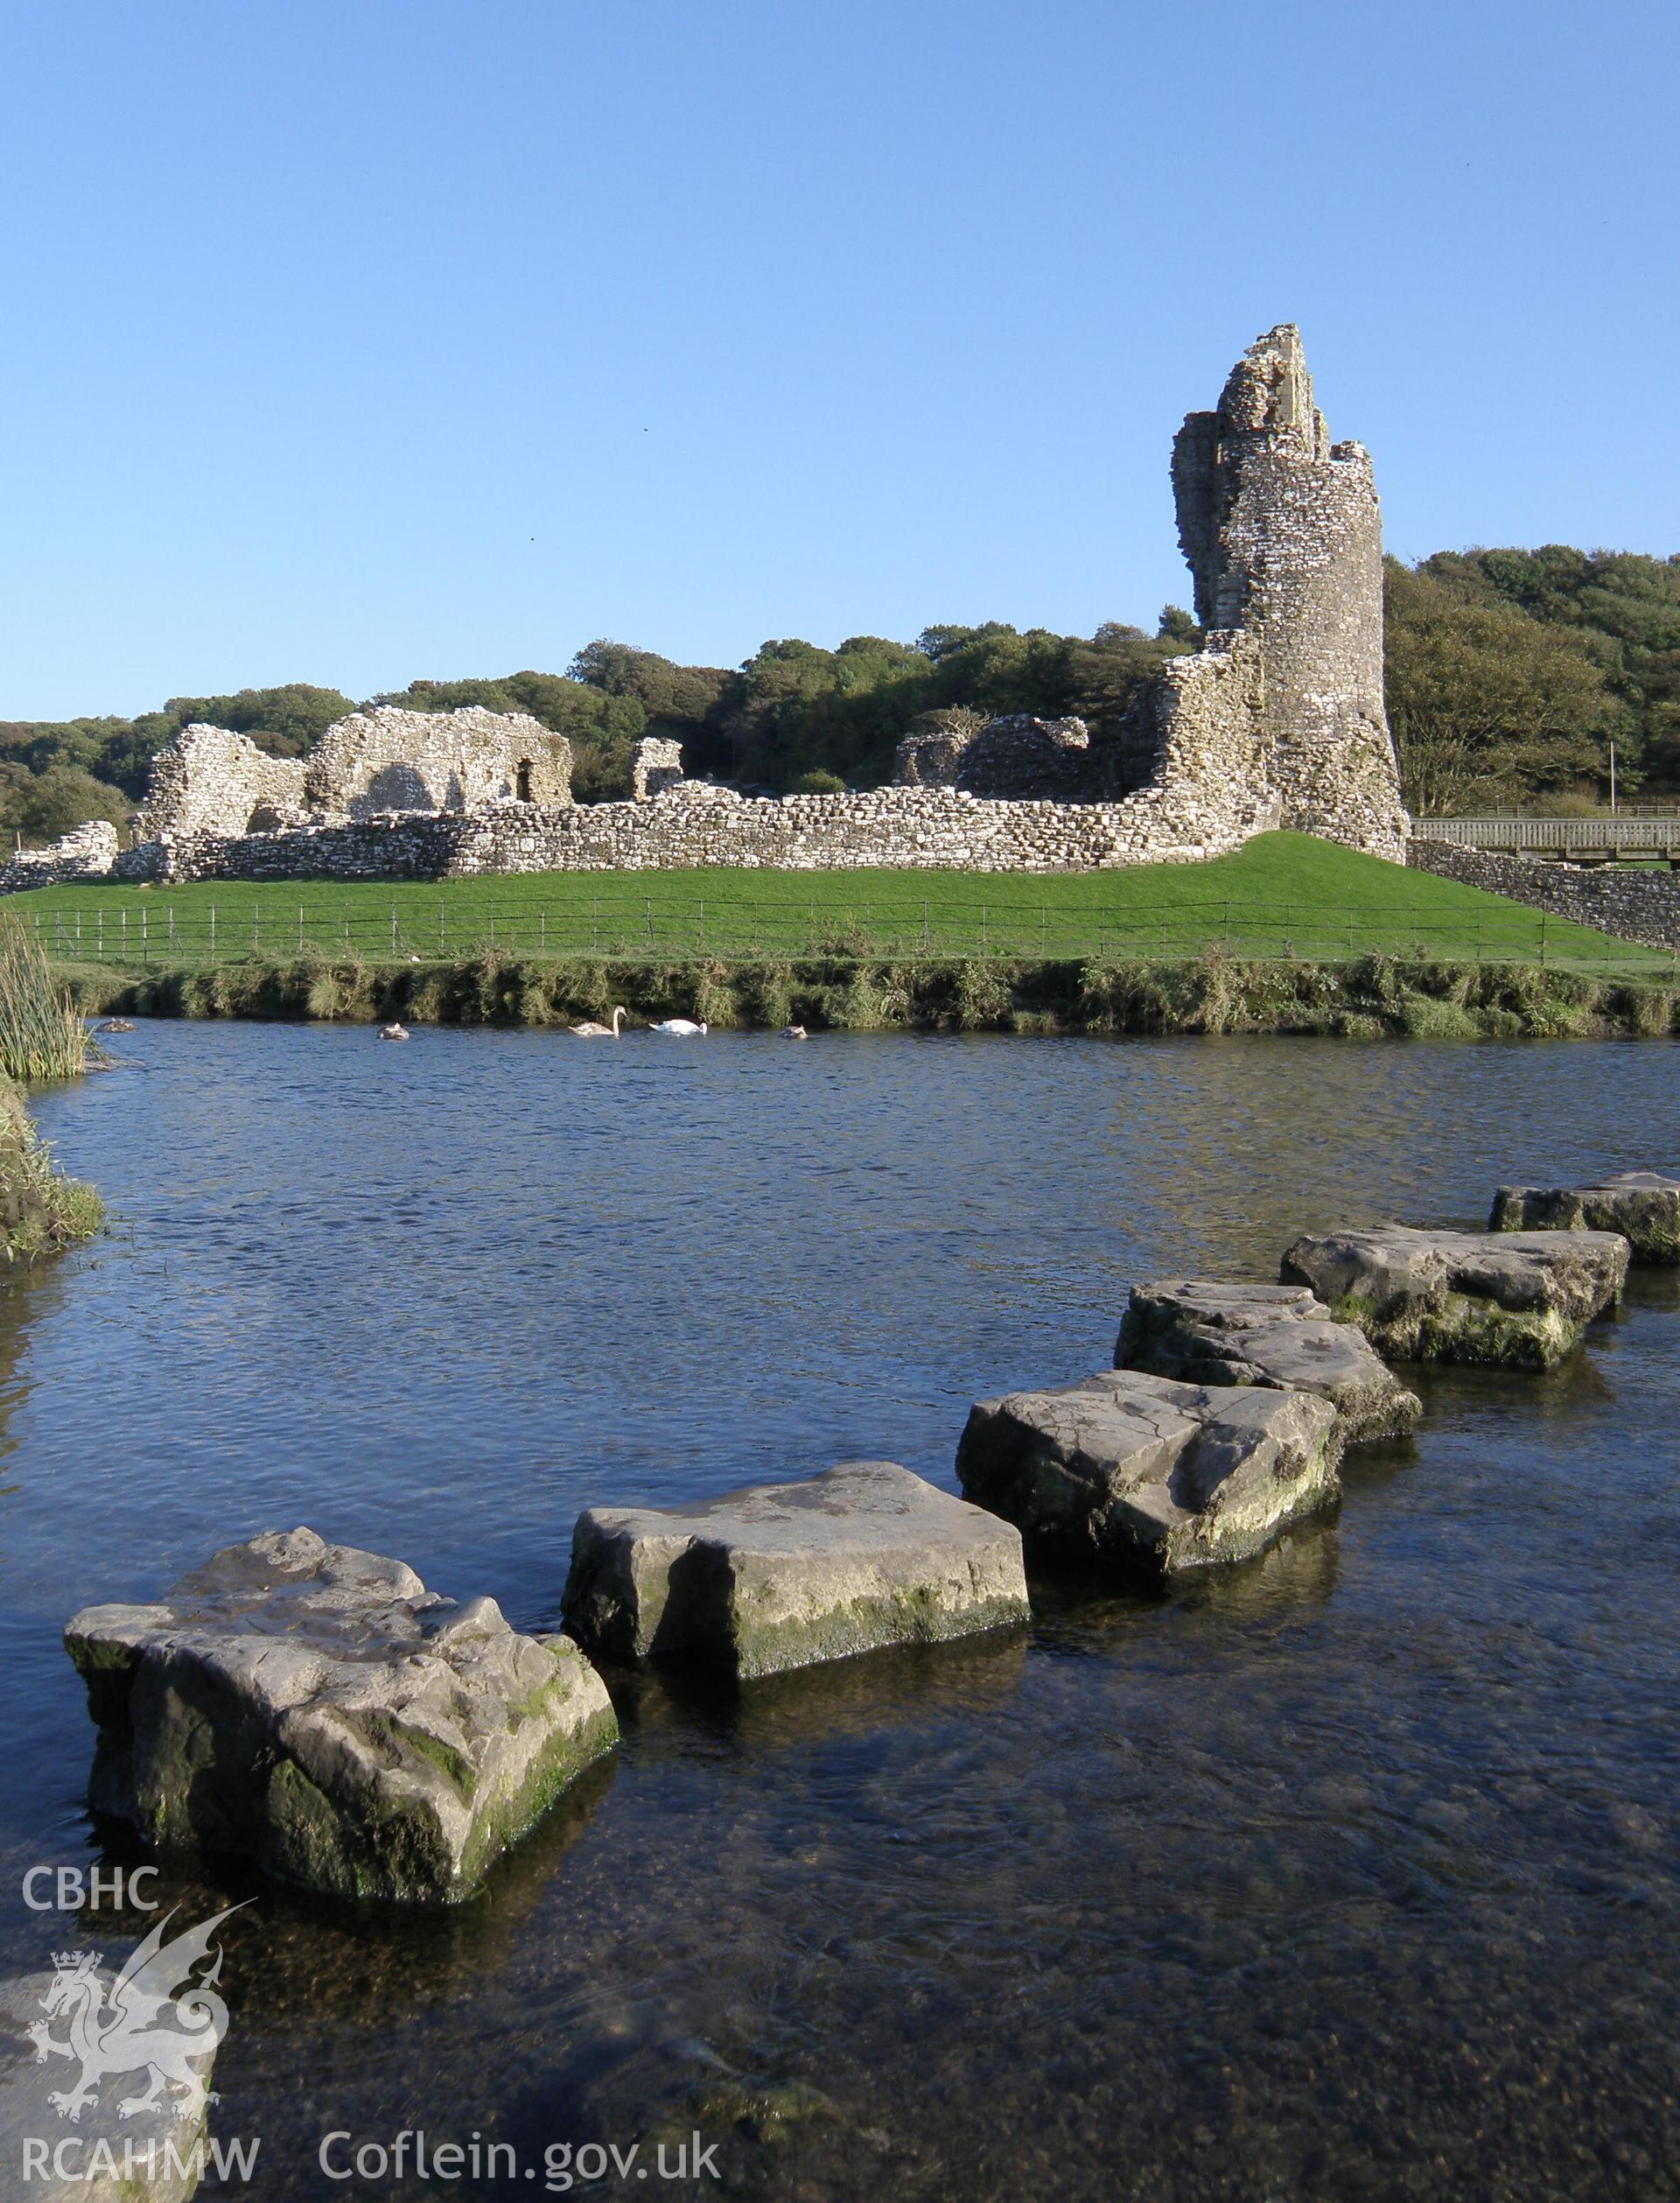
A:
1353	1873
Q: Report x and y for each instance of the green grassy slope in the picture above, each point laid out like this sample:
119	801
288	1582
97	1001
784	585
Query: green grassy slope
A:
1284	895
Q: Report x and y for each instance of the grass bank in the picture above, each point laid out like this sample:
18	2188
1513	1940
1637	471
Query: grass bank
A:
1284	897
41	1210
1368	998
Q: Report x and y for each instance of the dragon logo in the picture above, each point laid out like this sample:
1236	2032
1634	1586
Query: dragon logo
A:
154	2019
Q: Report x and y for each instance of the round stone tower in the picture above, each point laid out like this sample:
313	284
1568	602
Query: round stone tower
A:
1285	538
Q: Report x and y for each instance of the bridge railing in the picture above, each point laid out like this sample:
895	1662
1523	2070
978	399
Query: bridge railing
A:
1587	837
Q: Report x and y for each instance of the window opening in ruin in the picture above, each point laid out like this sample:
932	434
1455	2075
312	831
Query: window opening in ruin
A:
522	779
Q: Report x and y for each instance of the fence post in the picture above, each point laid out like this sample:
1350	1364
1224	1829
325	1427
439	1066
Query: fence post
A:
213	933
1542	940
393	928
493	925
982	929
145	935
300	929
702	925
98	923
543	928
926	943
650	921
257	926
595	921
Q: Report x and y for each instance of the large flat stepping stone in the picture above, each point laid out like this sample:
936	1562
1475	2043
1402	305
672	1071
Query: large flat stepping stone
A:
80	2129
1280	1336
316	1709
1514	1299
782	1576
1643	1205
1145	1467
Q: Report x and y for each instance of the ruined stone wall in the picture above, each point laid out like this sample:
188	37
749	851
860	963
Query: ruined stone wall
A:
1634	906
697	825
1013	758
1283	533
389	760
656	765
210	779
86	852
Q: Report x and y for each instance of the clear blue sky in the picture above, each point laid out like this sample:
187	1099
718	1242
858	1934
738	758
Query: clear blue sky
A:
350	340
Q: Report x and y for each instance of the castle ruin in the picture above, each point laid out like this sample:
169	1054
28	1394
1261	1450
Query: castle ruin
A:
384	760
1284	537
1277	721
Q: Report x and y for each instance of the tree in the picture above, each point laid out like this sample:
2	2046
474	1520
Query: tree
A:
1488	704
44	805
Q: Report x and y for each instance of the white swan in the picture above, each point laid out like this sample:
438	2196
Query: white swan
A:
589	1030
791	1033
393	1032
681	1025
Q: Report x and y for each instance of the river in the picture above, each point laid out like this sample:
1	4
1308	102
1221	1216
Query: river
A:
1353	1873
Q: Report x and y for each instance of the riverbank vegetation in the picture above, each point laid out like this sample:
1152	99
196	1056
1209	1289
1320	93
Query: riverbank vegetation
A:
43	1036
1286	896
1371	998
41	1210
1509	675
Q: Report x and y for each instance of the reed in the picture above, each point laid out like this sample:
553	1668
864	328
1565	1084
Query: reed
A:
42	1035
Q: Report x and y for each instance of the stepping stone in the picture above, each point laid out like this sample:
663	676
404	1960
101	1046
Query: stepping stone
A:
319	1710
1280	1336
1514	1299
1145	1467
65	2134
784	1575
1643	1205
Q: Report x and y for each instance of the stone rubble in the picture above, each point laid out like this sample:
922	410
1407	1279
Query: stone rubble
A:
316	1709
776	1576
1140	1468
1643	1205
1516	1300
1279	1337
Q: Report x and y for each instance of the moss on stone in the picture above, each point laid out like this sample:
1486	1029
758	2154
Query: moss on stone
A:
914	1616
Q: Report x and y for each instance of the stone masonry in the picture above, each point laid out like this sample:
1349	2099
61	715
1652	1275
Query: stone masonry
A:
86	852
1283	533
656	765
210	781
392	759
1014	757
1633	905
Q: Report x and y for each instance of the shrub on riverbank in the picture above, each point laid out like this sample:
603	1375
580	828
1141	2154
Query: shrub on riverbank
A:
1375	998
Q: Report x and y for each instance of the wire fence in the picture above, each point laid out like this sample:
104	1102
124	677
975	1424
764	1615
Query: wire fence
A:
156	931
